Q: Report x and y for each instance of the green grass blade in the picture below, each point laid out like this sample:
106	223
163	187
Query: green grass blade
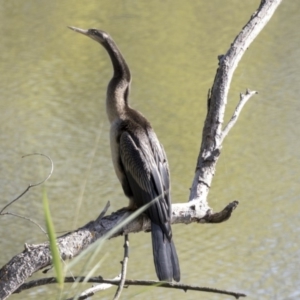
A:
52	240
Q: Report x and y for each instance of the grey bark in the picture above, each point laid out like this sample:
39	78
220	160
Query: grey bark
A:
213	133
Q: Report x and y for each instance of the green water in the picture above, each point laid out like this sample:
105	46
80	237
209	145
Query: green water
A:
53	84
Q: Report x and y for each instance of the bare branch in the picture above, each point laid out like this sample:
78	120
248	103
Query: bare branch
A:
93	290
31	184
212	135
222	216
37	257
50	173
102	214
243	100
124	268
25	218
128	282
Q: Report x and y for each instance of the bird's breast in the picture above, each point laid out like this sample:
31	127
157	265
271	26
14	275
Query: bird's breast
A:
115	148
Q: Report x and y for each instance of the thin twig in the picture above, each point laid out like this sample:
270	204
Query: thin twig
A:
124	268
31	184
91	291
221	216
180	286
243	100
28	219
102	214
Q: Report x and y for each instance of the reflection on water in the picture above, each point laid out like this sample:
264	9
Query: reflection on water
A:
53	85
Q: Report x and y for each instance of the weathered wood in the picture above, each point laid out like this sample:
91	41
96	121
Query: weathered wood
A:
37	257
213	133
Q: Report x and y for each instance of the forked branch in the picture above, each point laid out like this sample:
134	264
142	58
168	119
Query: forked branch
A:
213	134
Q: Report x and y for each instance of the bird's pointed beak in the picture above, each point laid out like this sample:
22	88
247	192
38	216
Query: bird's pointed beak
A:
83	31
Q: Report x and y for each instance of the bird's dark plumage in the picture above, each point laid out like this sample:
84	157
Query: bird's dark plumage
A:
139	160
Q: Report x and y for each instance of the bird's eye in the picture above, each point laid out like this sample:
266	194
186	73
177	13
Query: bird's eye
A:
93	31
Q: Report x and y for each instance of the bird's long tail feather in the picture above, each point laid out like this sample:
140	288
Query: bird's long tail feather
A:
165	255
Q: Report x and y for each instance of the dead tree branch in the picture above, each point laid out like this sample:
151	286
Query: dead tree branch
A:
30	184
38	257
124	268
89	292
213	134
129	282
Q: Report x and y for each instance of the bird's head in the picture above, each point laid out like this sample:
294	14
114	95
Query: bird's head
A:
99	36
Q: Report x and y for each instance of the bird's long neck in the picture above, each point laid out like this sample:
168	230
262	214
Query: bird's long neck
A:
118	87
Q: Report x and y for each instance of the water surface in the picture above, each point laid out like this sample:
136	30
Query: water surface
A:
53	85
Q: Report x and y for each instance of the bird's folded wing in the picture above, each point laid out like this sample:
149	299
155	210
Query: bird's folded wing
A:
145	175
